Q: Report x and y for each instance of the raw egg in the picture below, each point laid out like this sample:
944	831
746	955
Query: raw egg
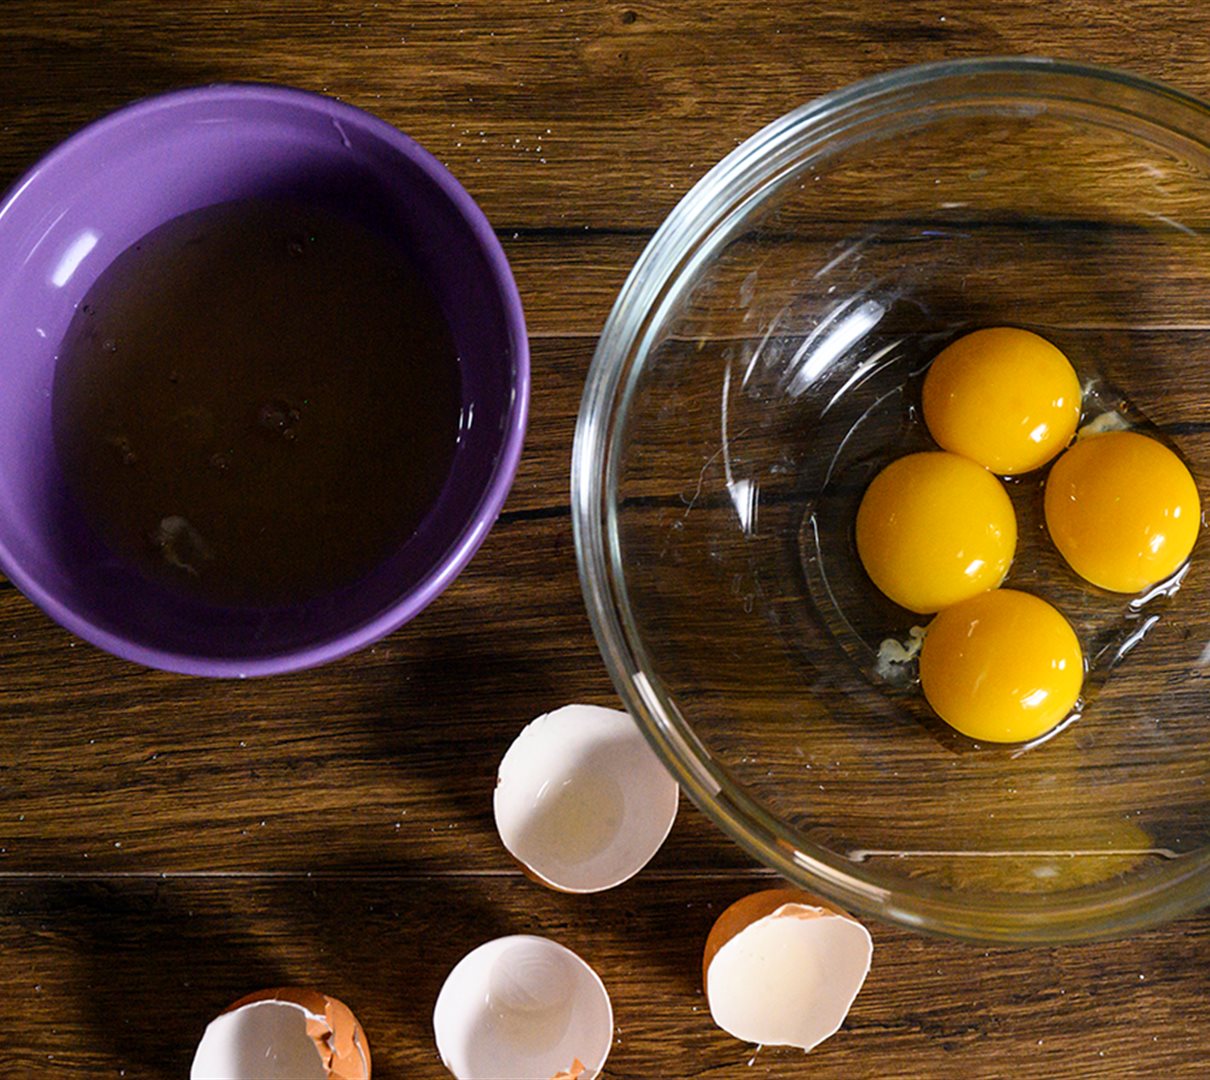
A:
1123	510
1001	667
1003	397
935	528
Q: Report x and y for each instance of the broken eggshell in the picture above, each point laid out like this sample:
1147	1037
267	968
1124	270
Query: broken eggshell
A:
288	1033
783	967
523	1008
581	801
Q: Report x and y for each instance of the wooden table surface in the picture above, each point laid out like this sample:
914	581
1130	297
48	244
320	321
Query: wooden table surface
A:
168	844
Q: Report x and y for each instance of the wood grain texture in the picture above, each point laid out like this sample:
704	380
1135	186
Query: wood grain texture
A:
168	844
120	974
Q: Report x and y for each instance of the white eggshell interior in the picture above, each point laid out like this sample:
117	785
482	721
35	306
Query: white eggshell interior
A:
582	800
789	980
522	1008
266	1040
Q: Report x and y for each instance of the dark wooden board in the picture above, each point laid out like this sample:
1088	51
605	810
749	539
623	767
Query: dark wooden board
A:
167	844
110	974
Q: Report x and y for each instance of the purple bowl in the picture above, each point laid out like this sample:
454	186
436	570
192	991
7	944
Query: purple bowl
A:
119	178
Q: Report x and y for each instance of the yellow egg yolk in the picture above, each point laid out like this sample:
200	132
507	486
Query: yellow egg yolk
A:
1003	397
934	528
1001	667
1123	510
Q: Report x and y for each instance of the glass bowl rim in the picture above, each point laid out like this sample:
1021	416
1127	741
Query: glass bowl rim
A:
1113	911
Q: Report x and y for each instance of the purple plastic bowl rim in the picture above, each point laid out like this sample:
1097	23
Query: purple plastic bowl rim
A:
476	529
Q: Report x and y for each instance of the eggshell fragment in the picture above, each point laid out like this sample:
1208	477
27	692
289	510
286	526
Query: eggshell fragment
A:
782	968
288	1033
582	802
520	1008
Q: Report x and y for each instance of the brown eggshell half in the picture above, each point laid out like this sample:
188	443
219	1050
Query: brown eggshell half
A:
749	909
339	1038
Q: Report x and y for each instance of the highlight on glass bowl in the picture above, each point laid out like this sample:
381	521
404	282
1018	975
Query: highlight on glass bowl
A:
888	488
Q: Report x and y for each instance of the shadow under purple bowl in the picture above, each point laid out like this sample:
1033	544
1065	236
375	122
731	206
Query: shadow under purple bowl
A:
112	183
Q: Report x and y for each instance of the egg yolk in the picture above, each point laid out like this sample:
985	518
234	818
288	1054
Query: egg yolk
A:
1003	397
1123	510
1001	667
935	528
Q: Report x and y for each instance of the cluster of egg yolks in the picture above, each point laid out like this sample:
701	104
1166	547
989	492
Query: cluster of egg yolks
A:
933	529
1001	667
1123	510
1003	397
936	532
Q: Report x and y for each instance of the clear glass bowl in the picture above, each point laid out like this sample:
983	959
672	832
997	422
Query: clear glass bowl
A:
763	361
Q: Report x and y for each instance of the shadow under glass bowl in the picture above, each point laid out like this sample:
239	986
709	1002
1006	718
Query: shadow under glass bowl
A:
763	362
